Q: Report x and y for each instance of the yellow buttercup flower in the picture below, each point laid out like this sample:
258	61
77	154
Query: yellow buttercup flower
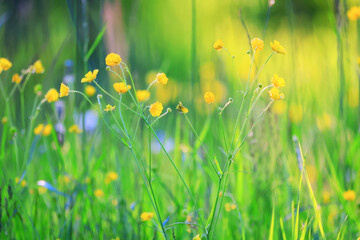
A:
5	64
349	195
276	46
354	13
64	90
23	182
90	90
38	129
156	109
75	129
295	113
229	207
112	59
52	95
38	67
326	197
109	108
90	76
99	193
121	87
275	94
180	107
111	176
47	130
324	122
279	107
278	81
197	237
161	78
146	216
142	95
218	44
209	97
16	78
4	120
257	44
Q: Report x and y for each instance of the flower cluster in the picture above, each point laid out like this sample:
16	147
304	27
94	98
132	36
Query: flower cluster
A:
354	13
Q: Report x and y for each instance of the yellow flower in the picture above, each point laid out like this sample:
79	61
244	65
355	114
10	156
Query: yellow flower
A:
110	176
156	109
16	78
276	46
52	95
209	97
39	128
23	182
354	13
75	129
358	60
218	44
349	195
47	130
197	237
146	216
279	107
42	190
278	81
229	207
112	59
142	95
275	94
99	193
326	197
90	90
109	108
257	44
324	122
121	87
161	78
90	76
38	67
64	90
5	64
295	113
4	120
66	179
180	107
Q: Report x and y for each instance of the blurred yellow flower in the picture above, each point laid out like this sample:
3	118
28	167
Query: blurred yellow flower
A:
324	122
146	216
90	90
349	195
161	78
38	129
354	13
64	90
112	59
278	81
16	78
109	108
279	107
121	87
209	97
295	113
66	179
326	197
4	120
229	207
47	130
156	109
257	44
42	190
111	176
38	67
275	94
23	182
353	97
276	46
358	60
5	64
142	95
197	237
90	76
99	193
75	129
180	107
52	95
218	44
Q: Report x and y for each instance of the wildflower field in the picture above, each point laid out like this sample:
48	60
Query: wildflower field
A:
173	119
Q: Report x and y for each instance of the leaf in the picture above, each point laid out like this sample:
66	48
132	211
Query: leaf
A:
95	44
